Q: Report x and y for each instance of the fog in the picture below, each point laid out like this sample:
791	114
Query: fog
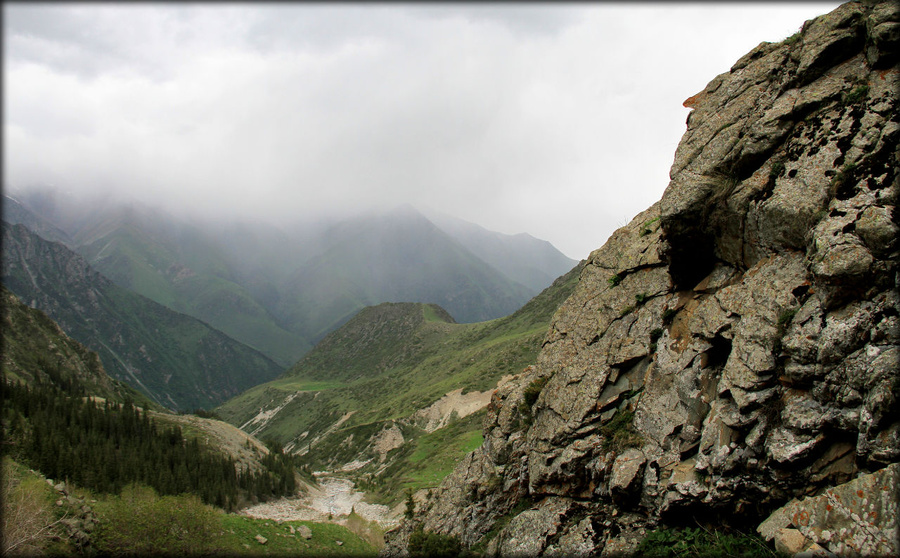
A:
559	120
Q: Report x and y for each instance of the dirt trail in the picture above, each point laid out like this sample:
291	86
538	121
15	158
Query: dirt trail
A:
332	501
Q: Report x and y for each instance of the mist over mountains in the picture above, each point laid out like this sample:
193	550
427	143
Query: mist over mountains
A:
282	289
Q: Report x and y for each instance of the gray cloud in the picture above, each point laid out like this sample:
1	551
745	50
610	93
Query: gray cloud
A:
560	121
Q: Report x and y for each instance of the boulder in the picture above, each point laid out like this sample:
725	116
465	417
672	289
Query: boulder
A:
626	473
859	517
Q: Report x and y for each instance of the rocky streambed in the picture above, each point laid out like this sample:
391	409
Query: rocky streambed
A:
332	501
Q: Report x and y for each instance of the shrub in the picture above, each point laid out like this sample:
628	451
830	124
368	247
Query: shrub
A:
856	95
428	544
28	523
776	170
140	522
670	543
785	318
669	315
410	505
533	390
615	280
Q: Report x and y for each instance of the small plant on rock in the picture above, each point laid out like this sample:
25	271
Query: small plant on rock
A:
669	315
531	393
645	230
627	310
776	170
410	505
793	39
619	433
666	543
785	318
654	337
858	94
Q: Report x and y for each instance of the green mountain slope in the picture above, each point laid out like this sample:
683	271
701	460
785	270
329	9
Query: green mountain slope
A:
376	339
35	349
396	257
520	257
279	290
370	381
182	267
16	213
176	360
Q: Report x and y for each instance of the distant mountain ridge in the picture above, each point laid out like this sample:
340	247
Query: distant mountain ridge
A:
520	257
280	291
398	256
178	361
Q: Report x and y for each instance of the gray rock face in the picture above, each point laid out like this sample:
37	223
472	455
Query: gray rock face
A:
858	517
737	344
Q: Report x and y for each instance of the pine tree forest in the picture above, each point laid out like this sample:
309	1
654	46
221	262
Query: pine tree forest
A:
106	446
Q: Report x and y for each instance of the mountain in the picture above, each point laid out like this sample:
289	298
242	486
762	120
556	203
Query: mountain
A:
400	389
176	360
727	362
279	290
374	340
171	262
35	349
520	257
397	256
14	212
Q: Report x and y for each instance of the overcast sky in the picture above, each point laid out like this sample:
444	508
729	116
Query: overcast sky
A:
556	120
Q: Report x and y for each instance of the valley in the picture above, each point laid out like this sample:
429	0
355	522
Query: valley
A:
426	380
405	392
720	378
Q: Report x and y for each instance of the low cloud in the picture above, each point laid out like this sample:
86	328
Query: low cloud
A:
557	121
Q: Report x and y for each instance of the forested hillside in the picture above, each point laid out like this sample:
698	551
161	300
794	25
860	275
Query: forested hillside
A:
125	479
177	361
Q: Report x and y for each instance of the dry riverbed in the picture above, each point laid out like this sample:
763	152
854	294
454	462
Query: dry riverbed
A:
332	501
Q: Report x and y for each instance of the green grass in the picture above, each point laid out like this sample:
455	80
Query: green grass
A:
437	453
672	543
433	314
238	536
28	513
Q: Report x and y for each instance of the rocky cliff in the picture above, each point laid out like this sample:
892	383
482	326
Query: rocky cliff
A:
735	347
